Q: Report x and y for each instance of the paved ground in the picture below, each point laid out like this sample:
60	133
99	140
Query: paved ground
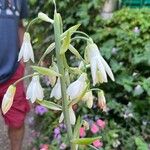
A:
4	143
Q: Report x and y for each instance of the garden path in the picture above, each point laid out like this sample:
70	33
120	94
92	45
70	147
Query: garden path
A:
4	143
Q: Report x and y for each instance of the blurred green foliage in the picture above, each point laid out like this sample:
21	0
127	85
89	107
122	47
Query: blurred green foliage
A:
124	42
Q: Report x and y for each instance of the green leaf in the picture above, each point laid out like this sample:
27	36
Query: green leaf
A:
146	85
66	43
75	52
49	49
141	145
71	30
107	47
85	141
49	105
46	71
75	70
77	128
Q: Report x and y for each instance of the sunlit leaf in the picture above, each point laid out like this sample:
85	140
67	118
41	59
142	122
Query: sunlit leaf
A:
45	71
66	43
85	141
71	30
77	128
49	105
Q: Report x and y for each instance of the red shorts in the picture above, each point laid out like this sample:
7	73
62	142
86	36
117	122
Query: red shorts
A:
16	115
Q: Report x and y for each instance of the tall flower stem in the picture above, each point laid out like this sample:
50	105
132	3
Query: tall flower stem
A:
61	68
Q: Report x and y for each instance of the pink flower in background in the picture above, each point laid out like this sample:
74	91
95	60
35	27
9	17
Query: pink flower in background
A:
101	123
97	143
82	132
94	128
44	147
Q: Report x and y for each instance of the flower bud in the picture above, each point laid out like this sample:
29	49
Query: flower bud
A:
44	17
101	100
8	98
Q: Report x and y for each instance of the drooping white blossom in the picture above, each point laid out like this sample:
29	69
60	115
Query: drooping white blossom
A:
26	51
99	66
71	115
35	90
76	88
56	91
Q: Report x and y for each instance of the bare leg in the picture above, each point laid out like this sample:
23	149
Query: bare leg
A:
16	137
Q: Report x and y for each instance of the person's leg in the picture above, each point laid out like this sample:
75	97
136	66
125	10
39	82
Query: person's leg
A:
15	117
16	137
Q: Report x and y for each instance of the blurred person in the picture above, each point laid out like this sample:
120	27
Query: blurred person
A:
11	36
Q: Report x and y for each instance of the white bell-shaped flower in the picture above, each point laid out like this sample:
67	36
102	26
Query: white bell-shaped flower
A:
26	51
71	115
99	66
8	98
76	89
56	91
35	90
88	98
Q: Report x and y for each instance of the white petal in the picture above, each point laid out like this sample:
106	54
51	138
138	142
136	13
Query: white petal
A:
44	17
56	91
39	90
81	65
26	51
52	80
35	90
92	51
93	71
101	69
107	68
29	91
61	117
88	98
99	77
76	88
72	116
89	103
20	53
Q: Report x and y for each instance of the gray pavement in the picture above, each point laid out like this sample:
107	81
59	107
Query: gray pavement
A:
4	142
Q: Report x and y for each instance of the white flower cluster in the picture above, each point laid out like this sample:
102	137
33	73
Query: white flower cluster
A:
77	90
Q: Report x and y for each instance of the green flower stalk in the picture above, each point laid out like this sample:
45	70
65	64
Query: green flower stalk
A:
60	63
